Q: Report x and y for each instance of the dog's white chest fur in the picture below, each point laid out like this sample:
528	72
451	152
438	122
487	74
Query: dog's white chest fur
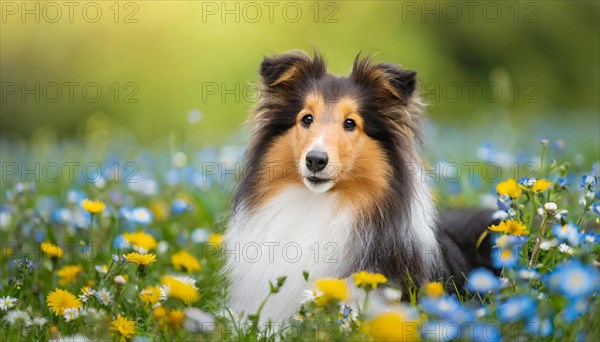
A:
296	231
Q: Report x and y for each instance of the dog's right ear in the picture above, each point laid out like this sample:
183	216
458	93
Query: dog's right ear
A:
290	67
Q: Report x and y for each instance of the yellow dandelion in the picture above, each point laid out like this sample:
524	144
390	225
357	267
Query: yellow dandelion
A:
510	227
140	259
159	312
59	300
69	274
509	188
215	239
185	261
93	207
365	279
124	327
433	289
331	289
182	288
541	185
175	319
393	326
160	210
141	239
52	251
150	295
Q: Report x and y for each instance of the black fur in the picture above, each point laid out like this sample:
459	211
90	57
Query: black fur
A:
459	233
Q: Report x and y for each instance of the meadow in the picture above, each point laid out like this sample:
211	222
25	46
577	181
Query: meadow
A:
130	248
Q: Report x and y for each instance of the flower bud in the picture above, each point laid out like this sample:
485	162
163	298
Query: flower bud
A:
120	280
550	208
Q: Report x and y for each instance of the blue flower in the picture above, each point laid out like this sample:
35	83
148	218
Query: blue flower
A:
482	332
568	233
179	206
62	215
595	208
589	237
76	196
562	182
440	331
482	281
527	181
200	235
506	257
463	315
138	215
574	279
508	240
120	243
172	177
587	181
504	202
443	307
516	308
540	327
141	215
528	274
575	309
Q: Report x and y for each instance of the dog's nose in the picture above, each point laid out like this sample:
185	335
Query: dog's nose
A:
316	160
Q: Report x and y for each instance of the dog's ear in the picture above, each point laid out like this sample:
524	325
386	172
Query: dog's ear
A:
290	67
399	83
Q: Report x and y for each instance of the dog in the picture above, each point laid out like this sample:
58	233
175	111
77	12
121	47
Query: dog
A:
331	185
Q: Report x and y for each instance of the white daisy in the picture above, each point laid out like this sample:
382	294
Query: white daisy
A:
7	302
39	321
104	296
164	293
102	269
564	248
87	293
71	314
309	296
547	244
93	313
17	316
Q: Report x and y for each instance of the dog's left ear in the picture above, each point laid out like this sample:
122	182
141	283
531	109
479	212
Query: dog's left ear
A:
400	83
291	67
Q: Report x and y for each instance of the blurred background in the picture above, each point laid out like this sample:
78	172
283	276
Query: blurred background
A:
181	75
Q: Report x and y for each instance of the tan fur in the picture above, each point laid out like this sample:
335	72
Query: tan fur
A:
286	76
357	163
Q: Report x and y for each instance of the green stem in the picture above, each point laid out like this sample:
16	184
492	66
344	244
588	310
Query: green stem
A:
585	210
91	229
363	309
538	241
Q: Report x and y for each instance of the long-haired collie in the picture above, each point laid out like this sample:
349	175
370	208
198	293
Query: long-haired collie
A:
332	185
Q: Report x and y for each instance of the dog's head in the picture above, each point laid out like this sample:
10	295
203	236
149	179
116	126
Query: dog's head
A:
331	132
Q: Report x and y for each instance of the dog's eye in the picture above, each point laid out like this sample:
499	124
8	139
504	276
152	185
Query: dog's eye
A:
307	120
349	124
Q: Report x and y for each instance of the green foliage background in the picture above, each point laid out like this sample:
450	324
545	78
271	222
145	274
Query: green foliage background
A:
542	55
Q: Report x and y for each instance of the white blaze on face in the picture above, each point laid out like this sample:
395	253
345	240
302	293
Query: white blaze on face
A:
318	145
